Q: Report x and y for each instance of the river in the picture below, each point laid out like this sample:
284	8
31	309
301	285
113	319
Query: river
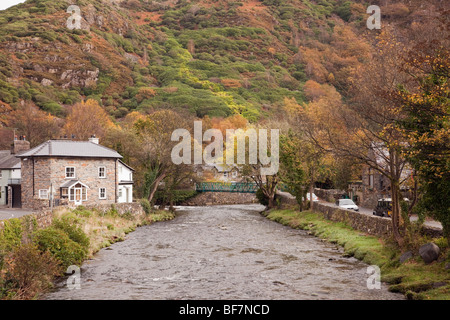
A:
218	253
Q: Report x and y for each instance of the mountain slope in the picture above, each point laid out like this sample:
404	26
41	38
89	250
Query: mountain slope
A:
213	58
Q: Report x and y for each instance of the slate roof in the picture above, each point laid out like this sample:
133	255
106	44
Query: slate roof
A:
8	160
69	148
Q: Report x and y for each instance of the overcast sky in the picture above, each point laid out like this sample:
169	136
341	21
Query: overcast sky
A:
4	4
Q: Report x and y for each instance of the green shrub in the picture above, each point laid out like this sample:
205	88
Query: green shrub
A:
146	206
262	197
73	231
11	235
58	243
82	211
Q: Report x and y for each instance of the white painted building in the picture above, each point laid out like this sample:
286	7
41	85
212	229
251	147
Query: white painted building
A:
125	190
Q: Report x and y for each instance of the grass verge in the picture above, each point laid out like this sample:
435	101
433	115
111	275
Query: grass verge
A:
415	279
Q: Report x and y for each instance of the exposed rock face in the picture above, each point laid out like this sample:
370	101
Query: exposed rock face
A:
79	78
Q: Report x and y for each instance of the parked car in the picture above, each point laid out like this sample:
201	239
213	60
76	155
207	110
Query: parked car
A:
347	204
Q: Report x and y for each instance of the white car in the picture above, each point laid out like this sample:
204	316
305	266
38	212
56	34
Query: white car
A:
308	196
347	204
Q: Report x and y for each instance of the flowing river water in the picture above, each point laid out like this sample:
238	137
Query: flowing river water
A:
222	253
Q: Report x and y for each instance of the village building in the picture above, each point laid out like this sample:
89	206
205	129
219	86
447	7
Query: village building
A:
218	172
10	173
73	173
374	185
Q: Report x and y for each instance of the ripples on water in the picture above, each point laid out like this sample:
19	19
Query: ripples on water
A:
222	252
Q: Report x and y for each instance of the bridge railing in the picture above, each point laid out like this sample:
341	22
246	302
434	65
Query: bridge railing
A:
240	187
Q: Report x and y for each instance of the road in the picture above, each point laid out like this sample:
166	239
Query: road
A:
9	213
428	222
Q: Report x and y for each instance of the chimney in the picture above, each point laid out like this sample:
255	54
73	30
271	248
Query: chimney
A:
20	145
93	139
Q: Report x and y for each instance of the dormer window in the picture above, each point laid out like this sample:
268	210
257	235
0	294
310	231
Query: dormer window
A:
70	172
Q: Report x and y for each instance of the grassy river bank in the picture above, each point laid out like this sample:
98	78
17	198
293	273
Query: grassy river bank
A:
415	279
31	259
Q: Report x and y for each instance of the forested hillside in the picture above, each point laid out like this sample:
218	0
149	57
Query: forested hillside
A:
214	58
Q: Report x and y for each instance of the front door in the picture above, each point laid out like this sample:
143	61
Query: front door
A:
78	196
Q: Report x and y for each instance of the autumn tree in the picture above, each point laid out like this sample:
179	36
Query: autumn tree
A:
365	128
154	133
87	118
426	126
36	125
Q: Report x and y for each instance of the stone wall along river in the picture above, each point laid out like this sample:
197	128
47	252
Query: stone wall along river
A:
222	252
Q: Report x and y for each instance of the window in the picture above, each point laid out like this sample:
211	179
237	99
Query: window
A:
102	193
70	172
120	192
102	172
234	174
225	174
64	192
43	194
371	181
1	173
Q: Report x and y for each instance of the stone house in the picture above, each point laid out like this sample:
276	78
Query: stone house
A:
10	173
373	185
218	172
73	173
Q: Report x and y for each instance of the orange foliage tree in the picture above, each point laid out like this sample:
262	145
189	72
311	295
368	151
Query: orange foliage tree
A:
87	118
35	124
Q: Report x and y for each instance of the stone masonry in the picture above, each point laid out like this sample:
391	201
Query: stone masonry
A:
40	173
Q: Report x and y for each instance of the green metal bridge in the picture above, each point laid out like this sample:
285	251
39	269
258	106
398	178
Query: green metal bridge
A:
238	187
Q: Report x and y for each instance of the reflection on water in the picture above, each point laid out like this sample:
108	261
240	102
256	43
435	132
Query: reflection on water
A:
222	252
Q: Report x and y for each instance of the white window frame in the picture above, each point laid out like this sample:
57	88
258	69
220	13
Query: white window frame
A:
234	174
100	193
74	172
42	192
120	192
104	172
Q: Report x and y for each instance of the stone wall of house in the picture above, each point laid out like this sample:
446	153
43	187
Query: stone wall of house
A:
369	224
48	171
32	183
221	198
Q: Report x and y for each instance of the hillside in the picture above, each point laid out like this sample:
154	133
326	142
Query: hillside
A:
214	58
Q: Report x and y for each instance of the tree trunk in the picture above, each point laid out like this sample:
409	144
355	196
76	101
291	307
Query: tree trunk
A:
396	223
155	186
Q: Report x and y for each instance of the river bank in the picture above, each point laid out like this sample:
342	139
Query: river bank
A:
32	259
415	279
